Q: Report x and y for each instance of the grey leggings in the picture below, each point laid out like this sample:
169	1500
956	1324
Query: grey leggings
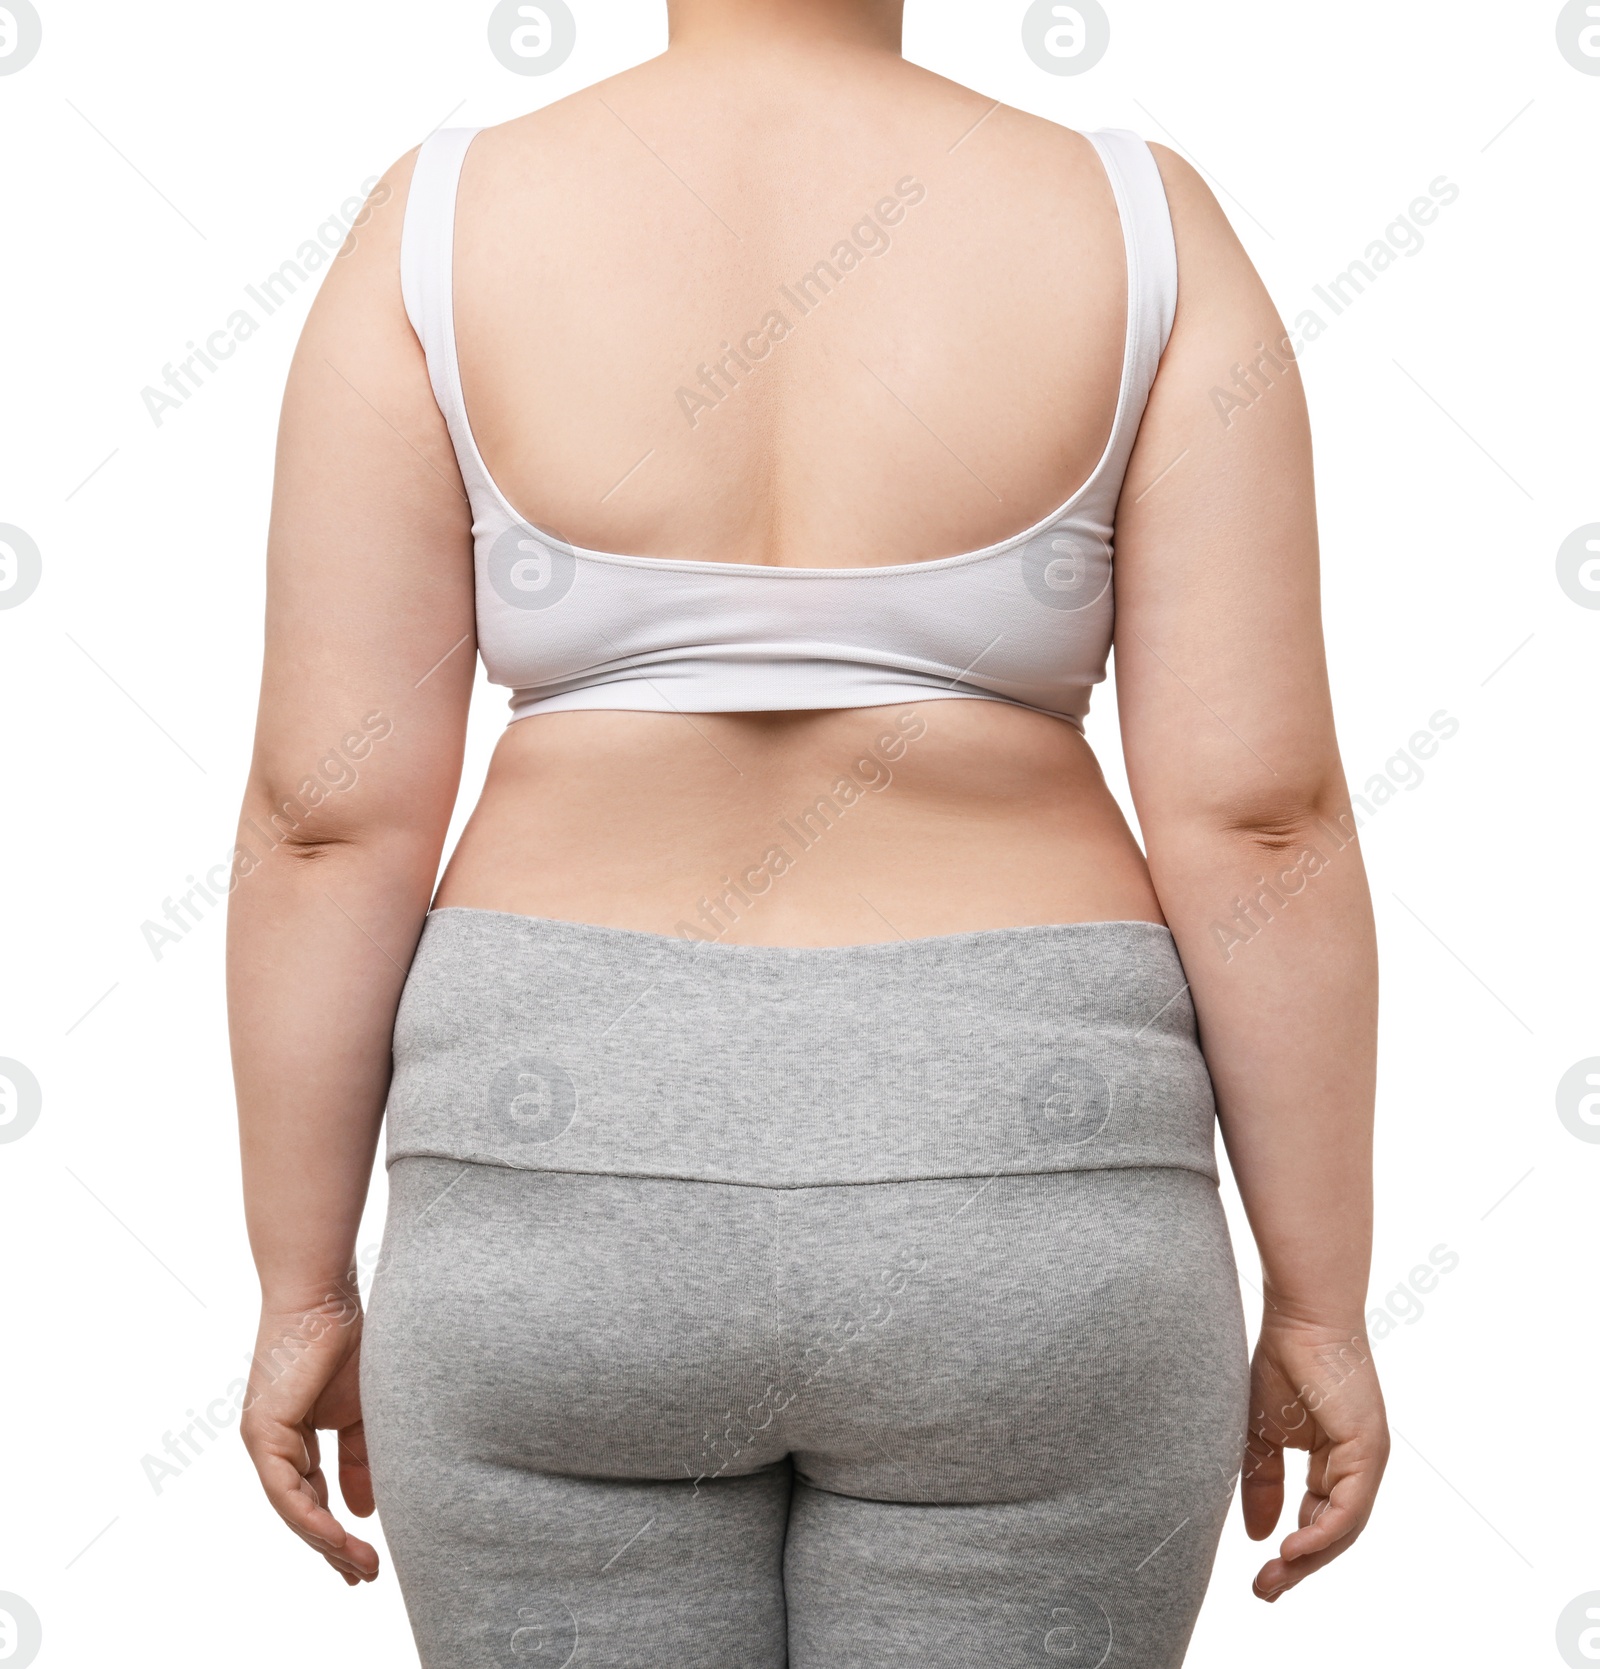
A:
842	1307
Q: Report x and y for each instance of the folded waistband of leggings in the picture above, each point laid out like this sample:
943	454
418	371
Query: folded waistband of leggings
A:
555	1046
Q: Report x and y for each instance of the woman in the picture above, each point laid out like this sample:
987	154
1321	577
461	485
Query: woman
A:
803	1242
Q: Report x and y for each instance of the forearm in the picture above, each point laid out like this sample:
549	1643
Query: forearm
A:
1276	935
319	940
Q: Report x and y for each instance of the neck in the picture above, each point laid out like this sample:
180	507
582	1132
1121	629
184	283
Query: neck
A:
870	25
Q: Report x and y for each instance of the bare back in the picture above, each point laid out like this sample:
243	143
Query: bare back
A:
840	313
616	252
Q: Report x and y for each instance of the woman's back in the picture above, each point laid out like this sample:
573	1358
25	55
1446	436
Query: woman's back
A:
833	314
818	311
620	253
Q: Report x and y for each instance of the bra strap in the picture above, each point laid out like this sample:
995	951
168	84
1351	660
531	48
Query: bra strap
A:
1147	230
427	268
1152	258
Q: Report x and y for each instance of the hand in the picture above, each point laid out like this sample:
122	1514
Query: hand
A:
305	1375
1312	1388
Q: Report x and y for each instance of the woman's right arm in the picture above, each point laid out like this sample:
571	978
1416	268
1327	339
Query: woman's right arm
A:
1235	771
367	674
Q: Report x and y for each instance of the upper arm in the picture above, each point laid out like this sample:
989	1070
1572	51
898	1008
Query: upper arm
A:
1221	678
369	565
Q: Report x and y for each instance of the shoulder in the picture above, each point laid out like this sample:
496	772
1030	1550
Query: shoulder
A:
569	133
370	253
1198	220
360	296
1219	289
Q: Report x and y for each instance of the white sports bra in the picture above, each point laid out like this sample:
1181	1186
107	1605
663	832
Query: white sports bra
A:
1026	621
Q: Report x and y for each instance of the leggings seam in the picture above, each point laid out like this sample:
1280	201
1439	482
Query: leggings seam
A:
801	1187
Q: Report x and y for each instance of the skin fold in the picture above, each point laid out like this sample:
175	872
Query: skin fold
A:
961	386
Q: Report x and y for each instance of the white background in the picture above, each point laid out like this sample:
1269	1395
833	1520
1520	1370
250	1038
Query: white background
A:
158	158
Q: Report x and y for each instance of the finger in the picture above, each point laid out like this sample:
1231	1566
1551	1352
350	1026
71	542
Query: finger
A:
1278	1576
355	1473
1261	1501
357	1561
1327	1519
1261	1487
352	1557
296	1502
311	1520
311	1470
318	1482
1320	1479
1312	1507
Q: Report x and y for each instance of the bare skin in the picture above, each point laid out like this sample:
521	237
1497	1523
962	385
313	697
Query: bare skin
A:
956	390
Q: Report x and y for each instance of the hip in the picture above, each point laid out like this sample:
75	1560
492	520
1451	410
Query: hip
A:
558	1046
965	1341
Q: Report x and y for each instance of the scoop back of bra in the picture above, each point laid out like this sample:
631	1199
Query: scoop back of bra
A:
1025	621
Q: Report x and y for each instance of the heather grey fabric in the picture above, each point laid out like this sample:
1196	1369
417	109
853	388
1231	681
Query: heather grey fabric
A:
553	1046
810	1410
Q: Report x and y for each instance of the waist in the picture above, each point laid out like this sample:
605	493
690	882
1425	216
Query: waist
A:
556	1046
819	828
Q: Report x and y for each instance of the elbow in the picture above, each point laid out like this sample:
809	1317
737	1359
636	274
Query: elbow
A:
1270	827
1291	828
308	848
307	820
310	830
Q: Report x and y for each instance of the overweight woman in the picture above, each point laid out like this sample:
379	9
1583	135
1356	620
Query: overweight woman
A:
799	1093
